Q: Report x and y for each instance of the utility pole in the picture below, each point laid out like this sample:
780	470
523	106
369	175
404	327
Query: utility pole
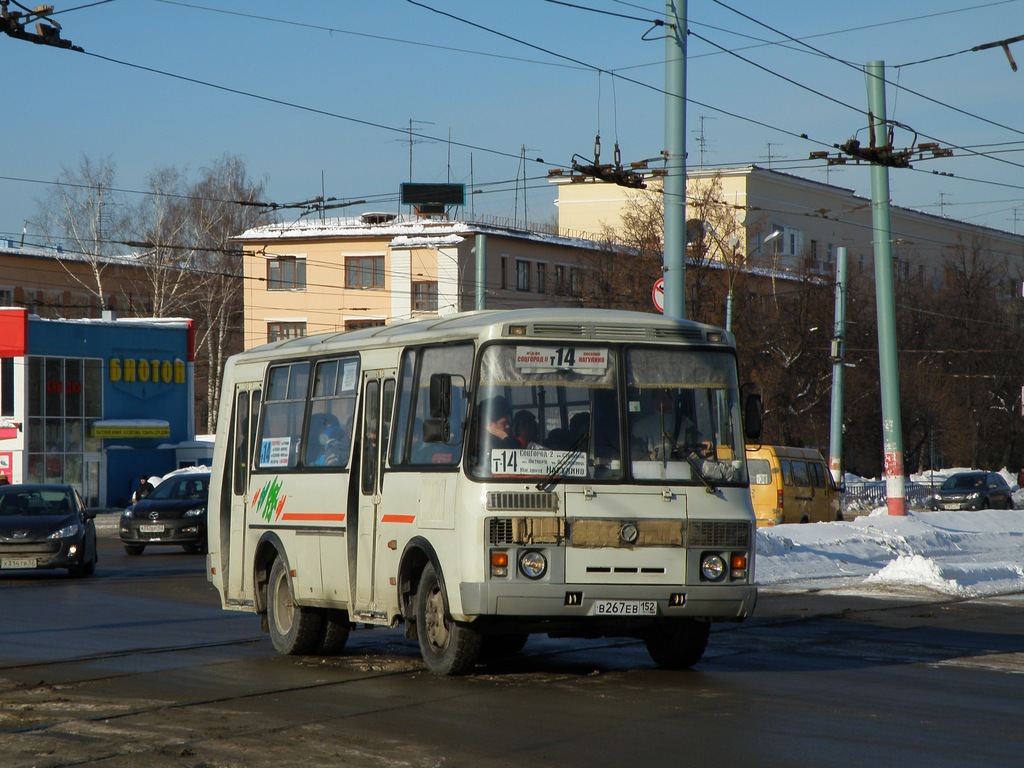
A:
675	159
835	448
892	426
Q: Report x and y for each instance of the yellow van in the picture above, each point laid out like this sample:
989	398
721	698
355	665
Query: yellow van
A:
791	485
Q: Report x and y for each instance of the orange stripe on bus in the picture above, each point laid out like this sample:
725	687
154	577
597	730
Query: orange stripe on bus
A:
398	518
338	518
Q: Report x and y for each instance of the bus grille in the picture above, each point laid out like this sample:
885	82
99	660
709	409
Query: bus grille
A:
505	531
522	501
710	533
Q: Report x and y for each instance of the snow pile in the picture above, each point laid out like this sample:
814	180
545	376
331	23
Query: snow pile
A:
962	554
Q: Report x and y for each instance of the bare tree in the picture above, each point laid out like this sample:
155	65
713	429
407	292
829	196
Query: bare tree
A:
84	219
222	203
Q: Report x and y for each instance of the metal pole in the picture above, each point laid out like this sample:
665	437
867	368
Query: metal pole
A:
892	427
481	271
835	458
675	160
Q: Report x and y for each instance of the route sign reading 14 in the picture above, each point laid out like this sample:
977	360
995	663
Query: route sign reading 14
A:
538	360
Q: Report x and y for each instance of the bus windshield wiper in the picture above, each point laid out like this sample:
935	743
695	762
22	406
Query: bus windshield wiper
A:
564	463
709	486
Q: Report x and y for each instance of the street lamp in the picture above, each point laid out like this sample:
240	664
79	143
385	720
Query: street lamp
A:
728	298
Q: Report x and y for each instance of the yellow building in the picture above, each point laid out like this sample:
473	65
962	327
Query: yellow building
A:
813	219
339	274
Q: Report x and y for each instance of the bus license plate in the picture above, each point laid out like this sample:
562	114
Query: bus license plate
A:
151	529
18	562
625	608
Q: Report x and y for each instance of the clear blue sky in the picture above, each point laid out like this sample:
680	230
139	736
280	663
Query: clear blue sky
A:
328	87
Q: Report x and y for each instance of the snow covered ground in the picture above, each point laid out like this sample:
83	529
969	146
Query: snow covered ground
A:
959	554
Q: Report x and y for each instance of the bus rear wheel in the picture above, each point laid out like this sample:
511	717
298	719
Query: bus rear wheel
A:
448	647
677	643
294	630
335	632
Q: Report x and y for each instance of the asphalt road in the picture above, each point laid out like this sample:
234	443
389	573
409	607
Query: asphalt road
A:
139	666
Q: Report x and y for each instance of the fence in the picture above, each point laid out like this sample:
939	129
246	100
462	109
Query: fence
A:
861	498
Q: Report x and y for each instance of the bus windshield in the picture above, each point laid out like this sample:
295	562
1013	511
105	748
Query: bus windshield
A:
586	413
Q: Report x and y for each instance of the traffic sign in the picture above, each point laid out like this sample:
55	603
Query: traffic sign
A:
658	294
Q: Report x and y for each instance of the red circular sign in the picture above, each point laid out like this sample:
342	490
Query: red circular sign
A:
658	294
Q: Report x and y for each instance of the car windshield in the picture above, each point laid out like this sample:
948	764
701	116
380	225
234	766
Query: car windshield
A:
181	487
963	482
35	501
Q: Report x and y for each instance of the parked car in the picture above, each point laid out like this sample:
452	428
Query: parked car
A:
973	490
46	526
173	513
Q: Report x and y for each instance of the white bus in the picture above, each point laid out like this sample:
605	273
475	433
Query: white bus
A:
374	477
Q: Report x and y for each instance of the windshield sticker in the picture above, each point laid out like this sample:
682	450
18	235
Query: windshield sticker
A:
274	451
546	359
520	462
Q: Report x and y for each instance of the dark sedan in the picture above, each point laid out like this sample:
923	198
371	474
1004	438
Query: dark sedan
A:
46	526
173	513
973	490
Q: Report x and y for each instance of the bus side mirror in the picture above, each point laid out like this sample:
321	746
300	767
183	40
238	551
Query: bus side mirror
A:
440	395
436	430
753	414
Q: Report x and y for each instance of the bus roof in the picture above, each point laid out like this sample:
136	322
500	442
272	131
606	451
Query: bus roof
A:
575	322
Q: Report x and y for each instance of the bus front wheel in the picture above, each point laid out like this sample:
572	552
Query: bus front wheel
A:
677	643
293	629
448	647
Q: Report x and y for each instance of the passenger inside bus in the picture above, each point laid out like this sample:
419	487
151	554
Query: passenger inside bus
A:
525	430
496	429
327	445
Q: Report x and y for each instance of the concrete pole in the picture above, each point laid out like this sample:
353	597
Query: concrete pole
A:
481	271
892	426
675	166
835	458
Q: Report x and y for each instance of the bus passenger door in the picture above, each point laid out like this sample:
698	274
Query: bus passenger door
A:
234	502
378	399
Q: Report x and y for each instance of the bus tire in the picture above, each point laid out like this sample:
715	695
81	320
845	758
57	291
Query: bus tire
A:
294	630
334	634
677	643
448	647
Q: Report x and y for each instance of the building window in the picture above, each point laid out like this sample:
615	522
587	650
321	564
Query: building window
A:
522	275
6	297
560	283
504	272
355	325
364	272
282	331
286	273
424	296
542	273
575	281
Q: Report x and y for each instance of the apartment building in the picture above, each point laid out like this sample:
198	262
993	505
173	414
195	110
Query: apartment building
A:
343	273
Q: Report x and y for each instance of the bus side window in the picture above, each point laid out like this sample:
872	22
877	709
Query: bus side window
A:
283	411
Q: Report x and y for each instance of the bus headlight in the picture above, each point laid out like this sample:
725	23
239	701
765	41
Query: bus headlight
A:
533	564
712	567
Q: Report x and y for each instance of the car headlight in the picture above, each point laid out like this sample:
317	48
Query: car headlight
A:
196	512
975	495
712	567
533	564
128	513
67	532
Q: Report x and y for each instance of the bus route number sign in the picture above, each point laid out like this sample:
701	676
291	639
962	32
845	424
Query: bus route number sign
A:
548	359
